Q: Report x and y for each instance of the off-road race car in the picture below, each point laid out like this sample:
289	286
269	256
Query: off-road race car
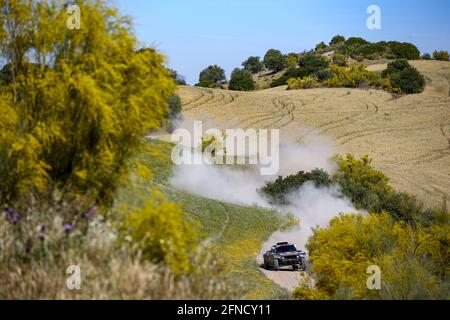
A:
284	254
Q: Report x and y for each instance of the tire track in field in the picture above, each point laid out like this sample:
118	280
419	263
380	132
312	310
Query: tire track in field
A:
435	155
201	95
286	107
209	94
369	132
342	122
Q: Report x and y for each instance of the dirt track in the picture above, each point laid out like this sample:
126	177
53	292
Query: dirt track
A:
286	277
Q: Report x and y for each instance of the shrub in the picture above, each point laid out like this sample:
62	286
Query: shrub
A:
161	232
370	190
179	79
241	80
253	64
292	60
302	83
211	77
336	40
441	55
274	60
77	115
312	63
404	50
408	258
396	66
290	73
351	77
277	190
359	48
408	80
322	75
321	47
340	60
426	56
366	187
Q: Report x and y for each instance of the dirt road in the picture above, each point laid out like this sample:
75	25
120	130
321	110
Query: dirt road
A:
285	277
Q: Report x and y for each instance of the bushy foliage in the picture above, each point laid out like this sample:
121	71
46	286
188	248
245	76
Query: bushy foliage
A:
211	77
302	83
403	50
322	75
340	60
360	49
253	64
336	40
321	47
290	73
369	189
408	80
441	55
241	80
277	191
426	56
179	79
395	67
292	60
75	116
274	60
352	77
410	259
161	232
365	186
403	77
312	63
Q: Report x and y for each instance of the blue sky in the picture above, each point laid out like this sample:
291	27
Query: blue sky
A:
196	33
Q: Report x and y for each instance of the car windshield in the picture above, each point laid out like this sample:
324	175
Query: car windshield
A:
283	249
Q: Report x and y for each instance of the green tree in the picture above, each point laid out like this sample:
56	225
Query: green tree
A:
179	79
312	63
404	50
338	39
395	67
321	47
213	76
253	64
408	80
441	55
274	60
241	80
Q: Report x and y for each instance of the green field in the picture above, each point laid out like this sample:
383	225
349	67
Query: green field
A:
234	233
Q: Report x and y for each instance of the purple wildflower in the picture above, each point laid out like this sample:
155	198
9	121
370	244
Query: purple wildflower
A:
9	213
16	218
68	228
90	213
42	228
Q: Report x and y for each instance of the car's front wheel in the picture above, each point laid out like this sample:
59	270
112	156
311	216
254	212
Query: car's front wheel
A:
276	265
265	264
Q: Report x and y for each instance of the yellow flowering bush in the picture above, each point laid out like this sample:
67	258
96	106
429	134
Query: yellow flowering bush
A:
302	83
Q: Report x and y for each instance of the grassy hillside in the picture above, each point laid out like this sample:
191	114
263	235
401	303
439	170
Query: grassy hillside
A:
233	233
